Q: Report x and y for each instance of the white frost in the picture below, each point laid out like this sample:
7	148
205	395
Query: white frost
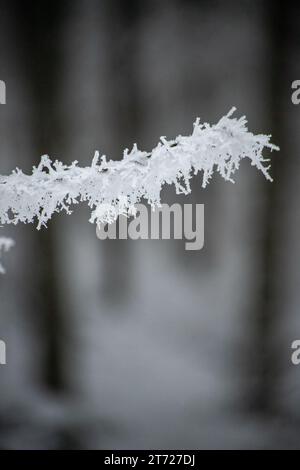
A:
111	188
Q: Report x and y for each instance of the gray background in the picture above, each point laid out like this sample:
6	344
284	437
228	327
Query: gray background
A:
141	344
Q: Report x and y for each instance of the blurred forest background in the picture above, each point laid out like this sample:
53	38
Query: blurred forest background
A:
141	344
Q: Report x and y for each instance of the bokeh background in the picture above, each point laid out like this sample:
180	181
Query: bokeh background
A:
141	344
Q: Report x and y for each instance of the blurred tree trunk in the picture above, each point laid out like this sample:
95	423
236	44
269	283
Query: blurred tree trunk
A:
39	25
266	365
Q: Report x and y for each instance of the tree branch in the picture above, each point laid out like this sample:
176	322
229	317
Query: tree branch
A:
111	188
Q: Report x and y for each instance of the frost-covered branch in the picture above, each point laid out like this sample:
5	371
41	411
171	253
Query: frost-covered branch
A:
5	245
111	188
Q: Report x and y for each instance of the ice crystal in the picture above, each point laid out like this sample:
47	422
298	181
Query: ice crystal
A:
111	188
